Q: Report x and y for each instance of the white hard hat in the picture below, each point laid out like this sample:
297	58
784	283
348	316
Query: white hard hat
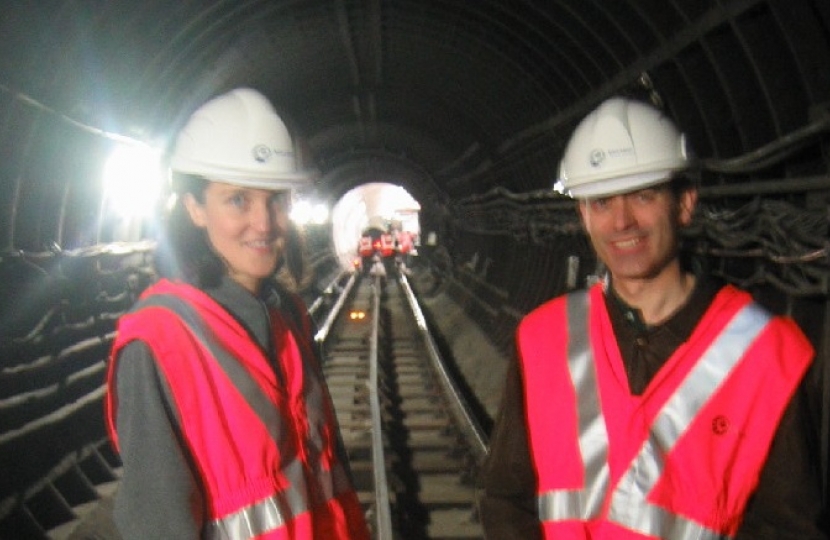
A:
623	145
238	138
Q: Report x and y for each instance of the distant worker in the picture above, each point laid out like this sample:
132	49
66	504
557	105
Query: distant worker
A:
378	269
216	400
404	245
658	403
365	249
387	245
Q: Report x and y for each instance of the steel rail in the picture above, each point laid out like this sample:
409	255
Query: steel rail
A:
323	332
458	405
383	511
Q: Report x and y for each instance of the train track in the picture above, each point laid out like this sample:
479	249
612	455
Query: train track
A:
413	444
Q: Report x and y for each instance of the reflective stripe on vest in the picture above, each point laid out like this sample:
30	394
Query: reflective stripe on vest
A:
267	514
404	241
387	245
365	246
566	504
275	510
629	507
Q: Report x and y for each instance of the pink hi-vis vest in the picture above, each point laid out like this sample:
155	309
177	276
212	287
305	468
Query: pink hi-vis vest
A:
266	455
364	246
387	245
679	461
404	241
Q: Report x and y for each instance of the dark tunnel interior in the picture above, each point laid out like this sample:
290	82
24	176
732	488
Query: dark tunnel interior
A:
467	105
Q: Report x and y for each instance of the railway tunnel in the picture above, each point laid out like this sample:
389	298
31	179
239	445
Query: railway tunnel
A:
467	106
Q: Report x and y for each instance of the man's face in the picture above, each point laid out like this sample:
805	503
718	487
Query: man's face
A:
636	234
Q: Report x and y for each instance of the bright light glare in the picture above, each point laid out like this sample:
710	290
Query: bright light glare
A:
304	212
132	179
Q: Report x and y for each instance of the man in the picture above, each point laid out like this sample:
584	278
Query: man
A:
657	404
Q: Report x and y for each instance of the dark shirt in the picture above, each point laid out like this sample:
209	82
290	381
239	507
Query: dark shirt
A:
786	505
645	348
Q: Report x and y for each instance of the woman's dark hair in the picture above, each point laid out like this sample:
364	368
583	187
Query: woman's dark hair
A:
184	250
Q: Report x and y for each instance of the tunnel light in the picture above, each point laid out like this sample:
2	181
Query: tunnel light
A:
132	180
306	212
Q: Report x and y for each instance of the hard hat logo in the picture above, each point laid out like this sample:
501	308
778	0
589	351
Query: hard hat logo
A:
262	153
597	157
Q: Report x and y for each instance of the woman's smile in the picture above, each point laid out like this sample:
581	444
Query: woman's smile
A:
246	227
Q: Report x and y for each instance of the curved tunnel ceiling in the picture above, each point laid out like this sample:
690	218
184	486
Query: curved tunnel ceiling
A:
449	98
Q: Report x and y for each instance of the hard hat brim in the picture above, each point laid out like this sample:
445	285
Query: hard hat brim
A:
294	181
264	180
607	187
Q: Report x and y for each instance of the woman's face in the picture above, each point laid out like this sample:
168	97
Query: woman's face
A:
247	228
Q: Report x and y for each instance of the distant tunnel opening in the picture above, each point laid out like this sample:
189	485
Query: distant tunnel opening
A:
376	204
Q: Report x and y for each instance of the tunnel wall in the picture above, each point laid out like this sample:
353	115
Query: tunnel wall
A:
57	327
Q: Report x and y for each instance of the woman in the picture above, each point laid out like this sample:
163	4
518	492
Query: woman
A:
216	401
